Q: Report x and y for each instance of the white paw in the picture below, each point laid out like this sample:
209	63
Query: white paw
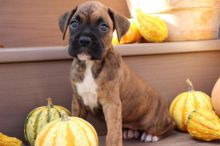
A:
137	134
148	138
143	136
125	134
155	138
130	134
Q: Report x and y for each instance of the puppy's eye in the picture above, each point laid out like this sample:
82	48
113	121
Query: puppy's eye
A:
74	24
103	27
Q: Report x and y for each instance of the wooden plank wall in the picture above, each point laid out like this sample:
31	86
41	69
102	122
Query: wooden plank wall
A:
28	23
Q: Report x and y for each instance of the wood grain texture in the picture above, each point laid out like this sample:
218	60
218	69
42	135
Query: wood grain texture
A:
24	86
28	23
167	73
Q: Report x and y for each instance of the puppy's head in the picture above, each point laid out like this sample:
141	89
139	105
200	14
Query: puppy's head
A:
91	27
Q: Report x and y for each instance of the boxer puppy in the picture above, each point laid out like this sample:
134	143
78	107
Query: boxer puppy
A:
102	82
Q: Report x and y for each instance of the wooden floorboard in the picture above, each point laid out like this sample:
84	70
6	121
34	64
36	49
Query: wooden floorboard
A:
174	139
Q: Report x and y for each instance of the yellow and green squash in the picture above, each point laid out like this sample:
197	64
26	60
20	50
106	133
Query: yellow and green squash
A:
187	102
67	131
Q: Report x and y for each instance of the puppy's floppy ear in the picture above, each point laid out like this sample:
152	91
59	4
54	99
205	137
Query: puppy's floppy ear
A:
120	23
64	21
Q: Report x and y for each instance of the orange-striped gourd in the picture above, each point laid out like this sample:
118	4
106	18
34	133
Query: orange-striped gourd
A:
132	35
39	117
152	28
204	125
67	131
187	102
9	141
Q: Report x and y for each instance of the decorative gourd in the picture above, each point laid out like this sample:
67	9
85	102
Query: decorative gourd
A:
216	97
39	117
9	141
67	131
132	35
187	102
152	28
204	125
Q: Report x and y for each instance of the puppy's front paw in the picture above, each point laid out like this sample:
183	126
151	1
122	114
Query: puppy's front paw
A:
148	138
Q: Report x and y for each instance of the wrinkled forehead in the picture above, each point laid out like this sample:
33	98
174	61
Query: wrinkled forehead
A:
93	12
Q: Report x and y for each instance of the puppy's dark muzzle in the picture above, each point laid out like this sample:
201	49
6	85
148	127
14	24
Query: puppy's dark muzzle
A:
85	41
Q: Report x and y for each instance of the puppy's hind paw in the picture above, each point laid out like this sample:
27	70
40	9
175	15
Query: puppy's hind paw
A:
148	138
155	138
131	134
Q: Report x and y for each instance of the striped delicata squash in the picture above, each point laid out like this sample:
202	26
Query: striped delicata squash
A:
187	102
40	117
152	28
204	125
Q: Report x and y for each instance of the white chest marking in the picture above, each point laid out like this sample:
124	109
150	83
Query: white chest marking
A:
87	88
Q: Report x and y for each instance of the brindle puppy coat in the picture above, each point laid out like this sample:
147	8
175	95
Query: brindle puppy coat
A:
102	82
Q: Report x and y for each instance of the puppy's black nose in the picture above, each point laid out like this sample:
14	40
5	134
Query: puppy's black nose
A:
85	41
